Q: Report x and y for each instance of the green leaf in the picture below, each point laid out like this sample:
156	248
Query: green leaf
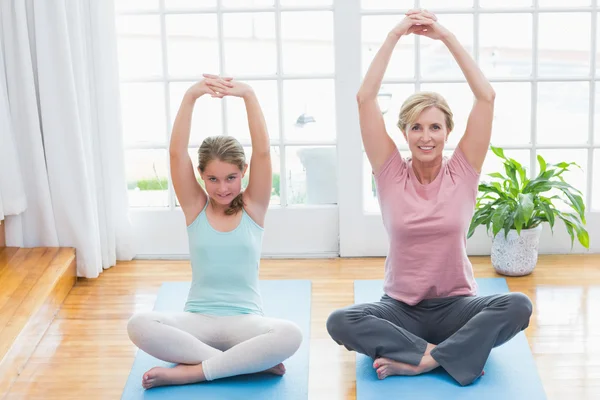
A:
508	224
498	151
478	219
519	219
549	214
584	238
526	204
570	230
497	175
499	217
520	170
542	163
576	203
486	188
512	173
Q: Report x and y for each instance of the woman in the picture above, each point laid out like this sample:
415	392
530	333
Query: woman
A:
222	331
430	315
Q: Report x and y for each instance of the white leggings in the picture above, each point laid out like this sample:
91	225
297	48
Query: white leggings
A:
226	346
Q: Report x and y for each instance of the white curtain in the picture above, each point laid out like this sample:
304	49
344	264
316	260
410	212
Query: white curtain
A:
60	69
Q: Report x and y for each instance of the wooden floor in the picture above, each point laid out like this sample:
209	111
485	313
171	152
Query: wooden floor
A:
86	354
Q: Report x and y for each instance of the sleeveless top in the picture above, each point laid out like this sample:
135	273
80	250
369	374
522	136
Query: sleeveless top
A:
225	267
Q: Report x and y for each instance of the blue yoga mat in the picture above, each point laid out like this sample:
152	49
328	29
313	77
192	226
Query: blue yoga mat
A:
510	372
286	299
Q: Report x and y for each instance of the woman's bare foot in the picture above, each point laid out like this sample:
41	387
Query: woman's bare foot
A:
179	375
386	367
279	369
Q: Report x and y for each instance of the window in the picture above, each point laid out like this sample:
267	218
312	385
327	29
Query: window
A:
545	78
165	46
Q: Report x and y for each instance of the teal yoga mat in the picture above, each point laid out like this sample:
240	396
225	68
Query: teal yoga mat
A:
510	372
286	299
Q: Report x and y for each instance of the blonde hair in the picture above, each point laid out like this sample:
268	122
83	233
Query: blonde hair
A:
226	149
415	104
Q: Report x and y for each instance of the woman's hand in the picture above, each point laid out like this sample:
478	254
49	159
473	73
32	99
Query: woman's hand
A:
211	84
428	25
234	88
412	23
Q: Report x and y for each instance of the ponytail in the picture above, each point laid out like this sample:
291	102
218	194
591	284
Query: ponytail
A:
236	205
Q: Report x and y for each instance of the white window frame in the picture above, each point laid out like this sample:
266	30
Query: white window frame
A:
361	232
346	229
290	230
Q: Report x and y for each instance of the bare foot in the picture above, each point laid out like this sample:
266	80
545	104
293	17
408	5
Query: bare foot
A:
386	367
179	375
279	369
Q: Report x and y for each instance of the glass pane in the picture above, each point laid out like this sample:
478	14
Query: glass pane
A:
139	46
306	3
311	174
432	4
247	3
193	46
596	181
404	5
436	59
190	4
564	52
147	182
493	163
207	117
512	114
598	47
597	116
276	168
254	34
309	110
510	53
563	109
391	97
305	50
143	113
375	29
575	177
237	119
505	3
563	3
460	100
136	5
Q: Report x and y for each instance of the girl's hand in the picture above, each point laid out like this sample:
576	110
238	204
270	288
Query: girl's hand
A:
234	88
211	84
412	23
428	25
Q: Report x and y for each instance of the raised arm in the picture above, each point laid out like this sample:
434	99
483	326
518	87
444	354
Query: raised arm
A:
190	194
258	193
378	144
476	139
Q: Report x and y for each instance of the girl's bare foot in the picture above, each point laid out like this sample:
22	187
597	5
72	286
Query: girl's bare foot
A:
279	369
179	375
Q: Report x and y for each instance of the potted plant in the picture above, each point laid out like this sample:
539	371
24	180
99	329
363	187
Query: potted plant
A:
513	207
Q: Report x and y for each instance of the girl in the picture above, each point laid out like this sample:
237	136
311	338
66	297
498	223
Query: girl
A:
222	330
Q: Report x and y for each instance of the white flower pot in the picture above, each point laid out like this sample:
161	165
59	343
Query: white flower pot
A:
516	255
